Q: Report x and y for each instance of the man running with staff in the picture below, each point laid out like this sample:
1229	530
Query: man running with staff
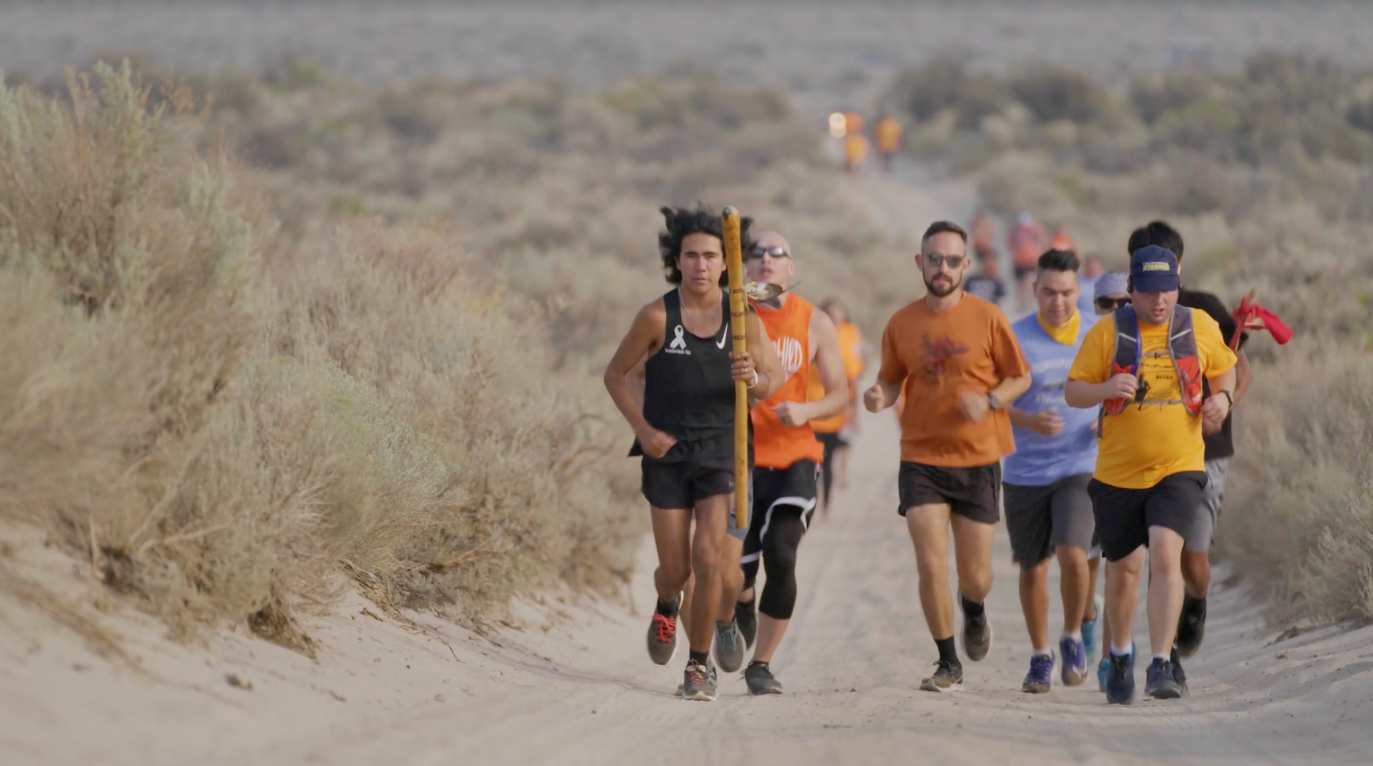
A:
787	460
1144	366
956	361
1048	510
685	427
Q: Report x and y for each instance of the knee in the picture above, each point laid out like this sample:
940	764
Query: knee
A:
675	574
778	559
1131	566
975	585
705	560
932	566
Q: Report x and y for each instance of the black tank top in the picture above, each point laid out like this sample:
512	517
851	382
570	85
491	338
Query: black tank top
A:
688	391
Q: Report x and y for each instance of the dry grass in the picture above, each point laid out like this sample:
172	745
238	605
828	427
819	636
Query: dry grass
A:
223	420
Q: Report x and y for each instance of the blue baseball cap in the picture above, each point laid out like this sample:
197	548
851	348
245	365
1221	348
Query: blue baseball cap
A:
1153	269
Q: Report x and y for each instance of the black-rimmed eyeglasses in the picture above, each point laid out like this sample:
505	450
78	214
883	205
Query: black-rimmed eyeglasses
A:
1112	304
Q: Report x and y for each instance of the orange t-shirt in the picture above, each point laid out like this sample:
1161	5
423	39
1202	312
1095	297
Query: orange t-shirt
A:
937	357
776	445
888	135
851	351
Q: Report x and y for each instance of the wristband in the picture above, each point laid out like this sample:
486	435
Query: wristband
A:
1229	397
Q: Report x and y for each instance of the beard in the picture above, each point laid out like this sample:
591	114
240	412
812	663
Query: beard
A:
942	291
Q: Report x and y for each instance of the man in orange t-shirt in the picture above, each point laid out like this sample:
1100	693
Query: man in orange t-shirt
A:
955	359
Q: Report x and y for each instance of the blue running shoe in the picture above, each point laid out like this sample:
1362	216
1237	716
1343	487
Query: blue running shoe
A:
1102	669
1090	633
1041	674
1159	682
1120	680
1074	661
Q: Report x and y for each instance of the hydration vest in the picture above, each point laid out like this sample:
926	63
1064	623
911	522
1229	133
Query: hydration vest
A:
1182	347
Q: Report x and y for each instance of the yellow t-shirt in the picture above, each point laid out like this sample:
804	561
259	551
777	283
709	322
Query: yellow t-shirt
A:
1147	442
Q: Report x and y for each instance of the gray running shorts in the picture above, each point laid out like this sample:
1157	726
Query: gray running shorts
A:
1202	531
1040	519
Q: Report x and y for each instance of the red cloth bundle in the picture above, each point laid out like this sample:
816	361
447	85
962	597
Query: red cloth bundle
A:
1251	316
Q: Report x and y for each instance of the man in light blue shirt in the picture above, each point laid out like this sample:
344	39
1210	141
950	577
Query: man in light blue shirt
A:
1048	510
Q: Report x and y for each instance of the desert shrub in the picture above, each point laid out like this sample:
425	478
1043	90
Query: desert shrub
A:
946	84
1055	93
228	423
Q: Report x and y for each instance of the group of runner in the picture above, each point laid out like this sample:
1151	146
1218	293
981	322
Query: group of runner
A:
1110	439
849	127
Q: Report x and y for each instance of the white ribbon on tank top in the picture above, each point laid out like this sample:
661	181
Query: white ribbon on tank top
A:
679	341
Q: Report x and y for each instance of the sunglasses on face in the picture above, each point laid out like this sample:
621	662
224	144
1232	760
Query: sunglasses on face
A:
1112	304
933	261
776	251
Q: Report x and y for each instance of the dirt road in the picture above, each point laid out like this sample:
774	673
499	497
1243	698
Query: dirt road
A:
571	683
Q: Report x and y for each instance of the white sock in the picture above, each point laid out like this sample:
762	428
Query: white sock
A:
1121	651
1075	635
1042	653
1158	656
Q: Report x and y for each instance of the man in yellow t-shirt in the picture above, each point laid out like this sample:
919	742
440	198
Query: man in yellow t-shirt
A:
1144	366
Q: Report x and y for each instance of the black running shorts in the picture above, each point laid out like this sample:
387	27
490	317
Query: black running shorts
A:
794	489
682	484
971	492
1123	516
1040	519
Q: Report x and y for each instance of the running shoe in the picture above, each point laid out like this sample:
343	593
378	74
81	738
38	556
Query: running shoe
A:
1090	634
746	615
1191	625
1179	675
1041	674
760	679
1158	681
1102	668
977	635
1120	680
948	677
1074	661
662	637
699	683
729	646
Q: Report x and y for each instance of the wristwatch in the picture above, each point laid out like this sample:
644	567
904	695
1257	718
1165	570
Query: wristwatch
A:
993	402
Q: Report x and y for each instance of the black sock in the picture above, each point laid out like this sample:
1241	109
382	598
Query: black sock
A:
1197	605
970	608
668	608
947	652
700	657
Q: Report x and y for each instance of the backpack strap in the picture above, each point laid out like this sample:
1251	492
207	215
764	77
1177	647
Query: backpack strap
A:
1182	347
1125	355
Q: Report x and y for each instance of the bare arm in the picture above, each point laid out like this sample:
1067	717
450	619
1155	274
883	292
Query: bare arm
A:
829	366
763	356
1010	389
1216	407
1081	394
641	341
1244	375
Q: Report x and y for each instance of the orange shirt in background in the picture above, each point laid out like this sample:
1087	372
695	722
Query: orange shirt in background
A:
851	351
855	148
776	445
935	358
888	135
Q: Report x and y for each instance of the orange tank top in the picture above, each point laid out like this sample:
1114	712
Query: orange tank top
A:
776	445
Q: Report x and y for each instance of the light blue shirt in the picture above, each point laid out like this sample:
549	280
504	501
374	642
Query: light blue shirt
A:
1086	297
1042	460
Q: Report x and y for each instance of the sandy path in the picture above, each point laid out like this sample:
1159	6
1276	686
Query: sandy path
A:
577	688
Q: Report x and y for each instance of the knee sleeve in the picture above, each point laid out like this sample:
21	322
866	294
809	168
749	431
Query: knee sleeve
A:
750	572
779	561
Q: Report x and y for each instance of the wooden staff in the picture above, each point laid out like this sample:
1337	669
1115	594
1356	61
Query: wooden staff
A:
734	262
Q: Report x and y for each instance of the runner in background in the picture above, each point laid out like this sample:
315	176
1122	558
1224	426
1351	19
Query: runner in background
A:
839	432
1026	241
855	152
888	131
1092	269
982	236
987	284
1061	241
